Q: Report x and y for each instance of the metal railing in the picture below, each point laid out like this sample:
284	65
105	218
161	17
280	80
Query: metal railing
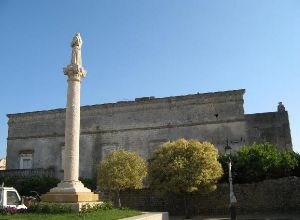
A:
27	172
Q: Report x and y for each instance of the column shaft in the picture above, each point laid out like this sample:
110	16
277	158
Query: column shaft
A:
72	131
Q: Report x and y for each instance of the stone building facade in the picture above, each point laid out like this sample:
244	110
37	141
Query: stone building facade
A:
36	139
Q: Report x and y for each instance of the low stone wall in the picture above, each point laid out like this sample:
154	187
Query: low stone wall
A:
280	195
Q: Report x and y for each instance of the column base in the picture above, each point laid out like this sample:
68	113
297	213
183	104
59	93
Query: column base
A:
70	191
70	186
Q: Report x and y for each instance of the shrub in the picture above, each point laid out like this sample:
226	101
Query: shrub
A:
87	208
184	166
11	210
24	185
89	183
296	169
53	208
121	170
259	162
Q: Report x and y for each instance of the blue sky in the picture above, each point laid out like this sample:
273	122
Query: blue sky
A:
138	48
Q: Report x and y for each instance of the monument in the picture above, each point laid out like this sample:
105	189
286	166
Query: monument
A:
71	190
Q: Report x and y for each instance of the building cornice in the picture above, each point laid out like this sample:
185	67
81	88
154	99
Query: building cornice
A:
200	97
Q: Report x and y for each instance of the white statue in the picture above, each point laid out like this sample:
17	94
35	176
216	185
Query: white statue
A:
76	51
75	68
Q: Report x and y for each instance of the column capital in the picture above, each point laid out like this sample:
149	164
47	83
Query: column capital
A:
75	72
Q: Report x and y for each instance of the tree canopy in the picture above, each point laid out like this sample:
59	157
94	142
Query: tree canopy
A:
121	170
258	162
184	166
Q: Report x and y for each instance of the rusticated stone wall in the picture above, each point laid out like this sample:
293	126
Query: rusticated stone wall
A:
278	195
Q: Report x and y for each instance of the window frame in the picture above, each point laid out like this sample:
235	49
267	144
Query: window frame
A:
27	156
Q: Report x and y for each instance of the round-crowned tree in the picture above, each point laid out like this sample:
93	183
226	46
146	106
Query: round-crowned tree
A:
184	166
258	162
121	170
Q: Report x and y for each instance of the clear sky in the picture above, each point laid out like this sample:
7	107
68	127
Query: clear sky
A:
137	48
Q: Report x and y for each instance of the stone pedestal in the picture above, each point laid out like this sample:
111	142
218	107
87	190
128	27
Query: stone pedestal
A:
72	197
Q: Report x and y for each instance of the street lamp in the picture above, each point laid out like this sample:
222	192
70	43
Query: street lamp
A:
231	195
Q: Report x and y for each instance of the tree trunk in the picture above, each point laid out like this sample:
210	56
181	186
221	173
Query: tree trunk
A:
119	199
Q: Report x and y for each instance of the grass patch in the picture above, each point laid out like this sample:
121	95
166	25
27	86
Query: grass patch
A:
111	214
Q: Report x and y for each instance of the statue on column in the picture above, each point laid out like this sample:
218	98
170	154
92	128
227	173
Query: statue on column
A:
76	51
75	68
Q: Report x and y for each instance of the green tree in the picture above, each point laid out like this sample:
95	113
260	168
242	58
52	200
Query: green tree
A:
25	185
184	166
296	169
121	170
258	162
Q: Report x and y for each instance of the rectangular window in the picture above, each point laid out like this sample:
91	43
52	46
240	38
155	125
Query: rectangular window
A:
26	161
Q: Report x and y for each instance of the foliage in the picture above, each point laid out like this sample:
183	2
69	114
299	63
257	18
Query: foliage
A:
184	166
58	208
259	162
11	210
89	183
87	208
111	214
121	170
24	185
296	169
54	208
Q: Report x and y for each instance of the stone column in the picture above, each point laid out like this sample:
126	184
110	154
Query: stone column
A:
71	189
71	183
72	129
